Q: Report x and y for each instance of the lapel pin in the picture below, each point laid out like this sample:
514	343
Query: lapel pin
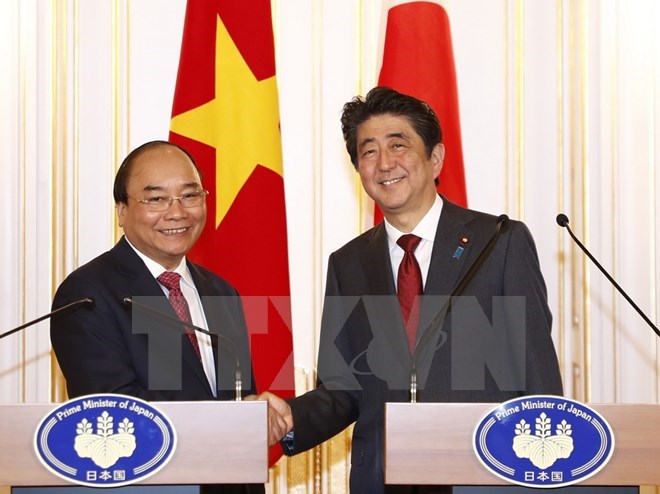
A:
464	240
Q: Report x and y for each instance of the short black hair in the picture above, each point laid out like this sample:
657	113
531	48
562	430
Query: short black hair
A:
383	100
121	179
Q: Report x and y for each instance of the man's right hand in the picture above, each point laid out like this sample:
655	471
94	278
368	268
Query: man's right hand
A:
280	418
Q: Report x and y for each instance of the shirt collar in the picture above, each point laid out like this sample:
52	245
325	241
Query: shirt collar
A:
425	229
156	269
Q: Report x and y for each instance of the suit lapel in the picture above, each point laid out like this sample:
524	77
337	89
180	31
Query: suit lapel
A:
205	290
141	283
378	271
451	249
224	316
377	265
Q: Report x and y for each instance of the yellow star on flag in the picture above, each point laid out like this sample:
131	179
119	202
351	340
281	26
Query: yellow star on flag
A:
241	122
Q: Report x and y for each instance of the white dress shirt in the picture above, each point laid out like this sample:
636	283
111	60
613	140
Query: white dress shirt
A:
196	310
425	230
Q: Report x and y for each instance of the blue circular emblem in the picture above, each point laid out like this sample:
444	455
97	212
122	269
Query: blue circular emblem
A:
105	440
543	441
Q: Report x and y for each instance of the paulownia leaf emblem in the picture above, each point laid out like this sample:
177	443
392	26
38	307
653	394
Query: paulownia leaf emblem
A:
543	449
105	447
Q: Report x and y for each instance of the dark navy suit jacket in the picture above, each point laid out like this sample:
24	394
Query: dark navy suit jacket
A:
100	351
112	349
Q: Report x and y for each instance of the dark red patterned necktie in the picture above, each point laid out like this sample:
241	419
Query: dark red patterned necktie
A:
409	286
171	281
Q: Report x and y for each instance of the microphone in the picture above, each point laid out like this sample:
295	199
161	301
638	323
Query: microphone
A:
438	320
562	220
87	302
231	347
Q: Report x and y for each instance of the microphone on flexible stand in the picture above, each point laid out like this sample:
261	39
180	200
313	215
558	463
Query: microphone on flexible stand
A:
562	220
87	302
437	322
231	347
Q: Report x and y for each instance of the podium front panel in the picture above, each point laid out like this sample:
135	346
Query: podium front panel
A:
218	442
431	444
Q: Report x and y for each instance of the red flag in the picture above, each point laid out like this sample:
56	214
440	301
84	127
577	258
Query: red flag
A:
226	113
418	60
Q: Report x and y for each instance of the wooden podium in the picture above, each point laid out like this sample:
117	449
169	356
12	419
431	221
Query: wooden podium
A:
218	442
431	443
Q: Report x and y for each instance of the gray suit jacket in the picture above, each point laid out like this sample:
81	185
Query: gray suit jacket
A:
488	349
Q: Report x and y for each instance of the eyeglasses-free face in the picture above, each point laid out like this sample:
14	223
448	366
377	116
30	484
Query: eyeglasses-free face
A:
395	169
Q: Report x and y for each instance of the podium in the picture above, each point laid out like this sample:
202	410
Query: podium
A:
218	442
431	443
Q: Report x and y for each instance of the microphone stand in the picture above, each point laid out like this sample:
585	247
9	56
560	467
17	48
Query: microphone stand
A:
562	220
89	302
238	382
441	315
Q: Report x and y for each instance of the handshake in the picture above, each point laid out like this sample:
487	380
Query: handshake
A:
280	419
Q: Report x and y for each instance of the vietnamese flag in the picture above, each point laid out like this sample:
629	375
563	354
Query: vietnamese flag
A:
418	59
226	114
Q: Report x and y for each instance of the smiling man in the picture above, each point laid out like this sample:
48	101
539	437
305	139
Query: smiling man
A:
160	203
373	317
161	206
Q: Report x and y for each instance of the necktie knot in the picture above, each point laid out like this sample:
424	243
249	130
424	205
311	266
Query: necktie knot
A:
170	280
408	242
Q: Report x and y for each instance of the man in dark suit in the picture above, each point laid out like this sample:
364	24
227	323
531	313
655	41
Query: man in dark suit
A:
110	348
493	345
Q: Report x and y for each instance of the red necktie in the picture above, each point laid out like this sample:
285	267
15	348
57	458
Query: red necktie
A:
171	281
409	286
